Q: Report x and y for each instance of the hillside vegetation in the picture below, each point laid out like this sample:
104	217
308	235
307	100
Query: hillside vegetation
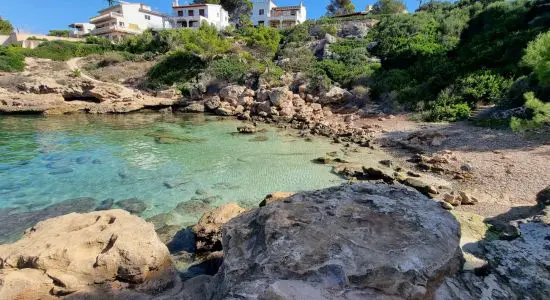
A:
442	61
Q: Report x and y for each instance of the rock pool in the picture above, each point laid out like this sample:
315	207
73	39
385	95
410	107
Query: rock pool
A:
148	163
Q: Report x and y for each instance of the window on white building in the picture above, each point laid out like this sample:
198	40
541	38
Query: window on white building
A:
190	13
121	24
261	12
180	13
201	12
147	17
261	23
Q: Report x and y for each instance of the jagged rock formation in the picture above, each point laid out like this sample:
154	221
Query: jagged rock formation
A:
345	242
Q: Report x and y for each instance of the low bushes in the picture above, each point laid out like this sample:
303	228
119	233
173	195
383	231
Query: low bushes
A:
539	114
11	60
176	68
63	50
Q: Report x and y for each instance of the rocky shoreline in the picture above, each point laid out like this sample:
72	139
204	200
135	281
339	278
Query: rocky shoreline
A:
353	241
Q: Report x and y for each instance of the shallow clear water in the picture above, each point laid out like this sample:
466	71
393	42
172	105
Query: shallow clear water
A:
161	159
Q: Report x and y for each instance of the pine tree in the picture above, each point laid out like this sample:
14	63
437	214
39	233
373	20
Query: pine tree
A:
340	7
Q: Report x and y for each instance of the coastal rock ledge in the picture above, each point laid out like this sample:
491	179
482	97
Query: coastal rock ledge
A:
82	255
360	241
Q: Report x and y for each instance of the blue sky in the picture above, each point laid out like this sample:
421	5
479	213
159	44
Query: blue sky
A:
39	16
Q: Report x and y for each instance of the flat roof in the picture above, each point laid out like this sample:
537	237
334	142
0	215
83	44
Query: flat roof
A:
194	5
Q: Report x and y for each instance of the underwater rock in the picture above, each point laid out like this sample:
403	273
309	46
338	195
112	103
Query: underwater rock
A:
61	171
12	225
259	138
172	184
132	205
105	204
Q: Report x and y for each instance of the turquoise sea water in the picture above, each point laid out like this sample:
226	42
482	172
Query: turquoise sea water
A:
162	160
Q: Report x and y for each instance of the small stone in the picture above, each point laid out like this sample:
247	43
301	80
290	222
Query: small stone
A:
467	167
388	163
446	205
467	199
451	199
543	197
247	129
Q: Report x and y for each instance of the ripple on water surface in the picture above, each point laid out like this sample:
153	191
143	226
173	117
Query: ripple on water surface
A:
159	160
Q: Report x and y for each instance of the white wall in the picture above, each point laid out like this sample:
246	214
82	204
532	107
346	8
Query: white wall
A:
213	14
133	15
266	5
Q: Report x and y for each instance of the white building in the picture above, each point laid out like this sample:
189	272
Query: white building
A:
125	19
193	15
266	13
81	29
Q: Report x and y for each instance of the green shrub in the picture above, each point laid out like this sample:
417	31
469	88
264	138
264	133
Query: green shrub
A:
206	42
483	87
63	50
448	113
318	81
296	59
176	67
111	58
297	34
11	60
539	111
263	39
272	74
537	57
231	69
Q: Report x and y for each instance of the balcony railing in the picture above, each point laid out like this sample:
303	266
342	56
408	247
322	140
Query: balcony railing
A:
107	16
281	16
112	28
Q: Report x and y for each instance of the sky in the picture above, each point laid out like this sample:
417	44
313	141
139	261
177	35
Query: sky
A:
39	16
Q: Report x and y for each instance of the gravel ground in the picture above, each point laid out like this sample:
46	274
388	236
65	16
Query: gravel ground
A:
509	168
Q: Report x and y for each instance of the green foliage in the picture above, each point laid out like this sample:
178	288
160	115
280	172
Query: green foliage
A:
340	7
76	73
297	58
206	42
389	7
449	113
404	38
483	87
537	57
5	27
59	33
177	67
11	60
263	39
230	69
540	114
63	50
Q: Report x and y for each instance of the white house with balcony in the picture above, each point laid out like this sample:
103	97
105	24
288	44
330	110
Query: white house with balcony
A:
81	29
193	15
125	18
267	13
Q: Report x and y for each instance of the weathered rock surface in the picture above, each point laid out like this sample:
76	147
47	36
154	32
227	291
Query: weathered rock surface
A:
208	230
347	242
77	252
44	95
274	197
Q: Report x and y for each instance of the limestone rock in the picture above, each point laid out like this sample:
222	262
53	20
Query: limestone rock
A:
274	197
194	108
337	242
279	95
247	129
208	229
63	255
212	103
232	93
335	95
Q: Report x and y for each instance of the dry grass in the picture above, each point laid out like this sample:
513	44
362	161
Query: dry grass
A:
122	72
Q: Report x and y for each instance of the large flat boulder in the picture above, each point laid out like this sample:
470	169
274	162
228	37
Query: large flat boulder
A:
352	241
79	252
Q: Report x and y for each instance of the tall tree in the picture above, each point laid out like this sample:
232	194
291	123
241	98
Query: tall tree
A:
389	6
340	7
5	26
